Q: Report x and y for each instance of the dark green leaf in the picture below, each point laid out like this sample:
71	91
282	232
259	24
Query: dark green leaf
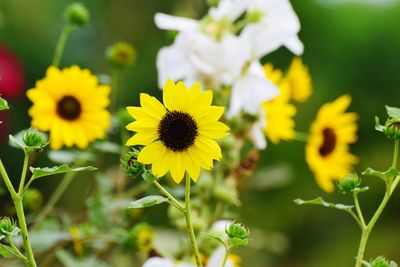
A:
147	202
319	201
41	172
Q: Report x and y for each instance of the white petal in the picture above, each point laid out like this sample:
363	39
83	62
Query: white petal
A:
231	9
168	22
158	262
257	136
217	259
295	45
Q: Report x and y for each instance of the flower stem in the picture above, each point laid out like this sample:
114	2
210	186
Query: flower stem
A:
225	257
171	198
30	261
189	222
114	89
66	181
15	249
301	137
7	180
390	187
23	175
61	44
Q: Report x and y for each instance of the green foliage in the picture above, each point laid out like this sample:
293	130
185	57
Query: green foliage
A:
320	202
147	202
42	172
238	235
29	140
392	125
8	227
380	262
386	176
3	104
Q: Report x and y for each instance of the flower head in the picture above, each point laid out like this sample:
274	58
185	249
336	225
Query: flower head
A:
121	54
299	80
71	105
279	112
180	135
327	151
77	15
7	226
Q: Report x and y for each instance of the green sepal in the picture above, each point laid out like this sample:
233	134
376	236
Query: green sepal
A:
3	104
147	202
217	238
378	126
148	177
320	202
393	112
42	172
385	176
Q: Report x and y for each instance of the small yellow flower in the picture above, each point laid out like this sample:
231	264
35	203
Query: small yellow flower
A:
279	112
180	135
299	79
327	150
77	240
144	239
70	104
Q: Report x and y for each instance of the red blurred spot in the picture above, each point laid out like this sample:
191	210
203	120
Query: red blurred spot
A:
11	75
4	126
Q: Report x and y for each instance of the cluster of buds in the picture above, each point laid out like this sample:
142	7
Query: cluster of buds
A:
349	183
392	125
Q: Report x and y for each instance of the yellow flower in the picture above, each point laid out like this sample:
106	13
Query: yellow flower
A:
71	105
299	80
327	150
179	136
145	239
279	112
77	240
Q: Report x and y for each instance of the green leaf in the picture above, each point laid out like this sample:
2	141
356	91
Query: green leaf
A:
236	242
16	141
5	251
378	126
360	189
393	264
393	112
147	202
385	176
148	177
319	201
41	172
3	104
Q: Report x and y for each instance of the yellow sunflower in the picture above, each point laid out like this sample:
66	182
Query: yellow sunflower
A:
179	136
299	80
70	104
279	112
327	150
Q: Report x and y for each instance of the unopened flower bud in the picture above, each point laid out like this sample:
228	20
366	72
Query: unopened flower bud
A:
130	164
121	55
349	183
33	200
238	234
34	140
380	262
77	15
392	128
7	226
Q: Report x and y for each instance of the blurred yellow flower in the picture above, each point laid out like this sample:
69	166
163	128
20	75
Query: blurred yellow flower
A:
144	240
70	104
299	79
327	150
279	112
77	240
179	136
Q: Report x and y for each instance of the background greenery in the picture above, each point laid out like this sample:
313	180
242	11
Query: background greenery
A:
350	47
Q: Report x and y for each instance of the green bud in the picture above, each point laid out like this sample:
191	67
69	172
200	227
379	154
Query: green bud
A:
130	164
33	200
140	237
77	15
7	226
380	262
392	128
34	140
349	183
121	55
238	235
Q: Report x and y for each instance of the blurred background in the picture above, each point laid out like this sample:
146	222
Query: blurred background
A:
351	46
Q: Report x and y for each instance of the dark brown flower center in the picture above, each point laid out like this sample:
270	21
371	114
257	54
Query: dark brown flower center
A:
69	108
329	142
177	130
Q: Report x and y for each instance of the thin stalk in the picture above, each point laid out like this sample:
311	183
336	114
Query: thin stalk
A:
114	89
66	181
301	137
358	209
174	202
61	44
395	154
30	260
15	249
225	258
7	181
23	175
189	222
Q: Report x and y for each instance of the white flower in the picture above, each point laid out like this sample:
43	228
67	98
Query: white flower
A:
206	53
279	25
164	262
250	90
217	259
257	134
